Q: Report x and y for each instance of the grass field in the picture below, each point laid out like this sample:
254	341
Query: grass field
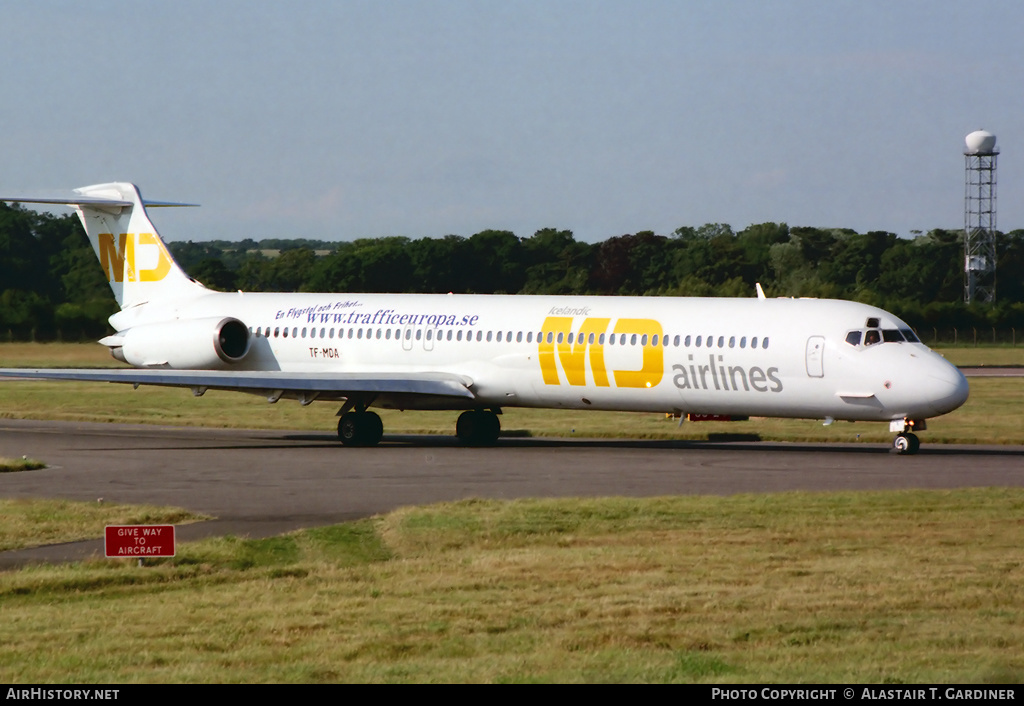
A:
991	415
33	523
901	587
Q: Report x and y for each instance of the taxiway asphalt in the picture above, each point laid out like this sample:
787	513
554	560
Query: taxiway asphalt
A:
260	483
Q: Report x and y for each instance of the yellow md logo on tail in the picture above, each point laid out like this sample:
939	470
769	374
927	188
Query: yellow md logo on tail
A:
560	346
136	257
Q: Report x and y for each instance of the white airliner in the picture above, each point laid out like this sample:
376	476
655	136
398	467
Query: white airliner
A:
695	357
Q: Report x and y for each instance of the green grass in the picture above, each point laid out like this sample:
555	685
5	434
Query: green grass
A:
899	587
991	356
13	465
31	523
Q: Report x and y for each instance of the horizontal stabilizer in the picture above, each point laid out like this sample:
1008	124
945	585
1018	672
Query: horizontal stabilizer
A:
77	198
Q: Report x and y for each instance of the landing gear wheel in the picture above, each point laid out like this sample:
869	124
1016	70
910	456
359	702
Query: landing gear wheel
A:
906	444
478	428
360	429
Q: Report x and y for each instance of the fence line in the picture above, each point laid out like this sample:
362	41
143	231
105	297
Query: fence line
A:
973	336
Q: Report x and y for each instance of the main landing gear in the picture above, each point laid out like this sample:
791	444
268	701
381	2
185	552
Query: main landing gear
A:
360	429
478	427
906	442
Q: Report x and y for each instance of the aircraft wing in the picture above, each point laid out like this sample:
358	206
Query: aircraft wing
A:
275	384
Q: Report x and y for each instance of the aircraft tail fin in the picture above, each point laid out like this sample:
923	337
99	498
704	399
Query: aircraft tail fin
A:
135	260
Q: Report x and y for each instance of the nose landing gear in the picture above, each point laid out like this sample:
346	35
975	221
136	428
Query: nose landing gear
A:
906	442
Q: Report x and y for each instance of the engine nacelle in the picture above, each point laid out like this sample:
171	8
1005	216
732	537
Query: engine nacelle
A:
212	343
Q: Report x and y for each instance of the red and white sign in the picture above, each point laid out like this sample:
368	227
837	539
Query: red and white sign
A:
137	541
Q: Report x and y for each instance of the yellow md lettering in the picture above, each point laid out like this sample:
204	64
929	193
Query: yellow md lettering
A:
553	325
653	369
111	257
571	354
163	263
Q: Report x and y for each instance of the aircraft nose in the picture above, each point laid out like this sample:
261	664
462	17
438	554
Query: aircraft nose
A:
949	388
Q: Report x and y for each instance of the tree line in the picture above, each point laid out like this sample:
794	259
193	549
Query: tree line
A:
51	284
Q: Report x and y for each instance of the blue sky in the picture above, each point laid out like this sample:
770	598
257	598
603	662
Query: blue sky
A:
339	120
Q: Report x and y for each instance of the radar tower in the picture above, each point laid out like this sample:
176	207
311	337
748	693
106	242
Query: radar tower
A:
980	217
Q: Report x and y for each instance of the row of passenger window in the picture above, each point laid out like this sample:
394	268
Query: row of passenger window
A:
611	339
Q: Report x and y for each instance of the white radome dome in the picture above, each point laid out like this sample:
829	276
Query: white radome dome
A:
980	142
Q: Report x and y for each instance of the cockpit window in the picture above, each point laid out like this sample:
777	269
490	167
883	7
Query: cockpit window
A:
875	335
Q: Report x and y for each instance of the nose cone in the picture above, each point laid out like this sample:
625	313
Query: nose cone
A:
947	387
